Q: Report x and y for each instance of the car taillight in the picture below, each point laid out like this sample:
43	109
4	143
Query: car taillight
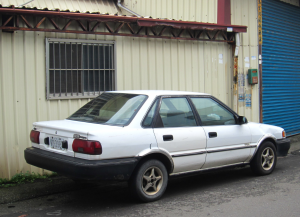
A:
87	147
35	136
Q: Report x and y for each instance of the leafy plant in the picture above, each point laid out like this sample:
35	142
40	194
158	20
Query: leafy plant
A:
23	178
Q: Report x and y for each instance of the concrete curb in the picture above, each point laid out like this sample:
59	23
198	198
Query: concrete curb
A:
295	143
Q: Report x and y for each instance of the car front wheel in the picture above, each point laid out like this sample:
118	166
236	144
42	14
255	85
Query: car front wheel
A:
149	181
265	159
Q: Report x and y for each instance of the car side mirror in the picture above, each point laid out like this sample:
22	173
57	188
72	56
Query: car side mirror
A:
242	120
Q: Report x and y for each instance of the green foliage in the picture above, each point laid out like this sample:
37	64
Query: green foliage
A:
23	178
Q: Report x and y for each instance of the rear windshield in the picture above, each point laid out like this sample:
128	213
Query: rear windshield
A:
110	108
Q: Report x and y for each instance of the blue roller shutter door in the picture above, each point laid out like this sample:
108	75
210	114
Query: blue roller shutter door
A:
281	65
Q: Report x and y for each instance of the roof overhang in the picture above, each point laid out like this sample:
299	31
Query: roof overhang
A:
189	25
89	23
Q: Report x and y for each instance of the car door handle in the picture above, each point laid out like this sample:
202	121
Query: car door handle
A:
212	134
168	137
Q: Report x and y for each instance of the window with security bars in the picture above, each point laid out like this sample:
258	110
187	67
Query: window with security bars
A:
79	68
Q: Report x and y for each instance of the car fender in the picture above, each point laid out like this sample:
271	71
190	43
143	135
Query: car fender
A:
264	138
156	150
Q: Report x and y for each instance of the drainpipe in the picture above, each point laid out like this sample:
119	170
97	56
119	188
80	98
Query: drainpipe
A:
237	44
25	3
235	73
126	9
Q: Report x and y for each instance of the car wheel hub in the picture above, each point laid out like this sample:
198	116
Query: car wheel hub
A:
267	158
152	180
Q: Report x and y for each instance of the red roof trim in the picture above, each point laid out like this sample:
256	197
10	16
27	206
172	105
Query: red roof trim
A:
189	25
147	22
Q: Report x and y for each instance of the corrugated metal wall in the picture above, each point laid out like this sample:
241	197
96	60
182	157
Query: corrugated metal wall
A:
245	13
281	66
188	10
141	64
175	65
22	94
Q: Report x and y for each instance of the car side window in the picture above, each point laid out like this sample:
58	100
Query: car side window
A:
212	113
149	118
176	112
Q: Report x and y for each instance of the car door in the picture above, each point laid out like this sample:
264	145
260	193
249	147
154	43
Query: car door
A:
176	131
227	141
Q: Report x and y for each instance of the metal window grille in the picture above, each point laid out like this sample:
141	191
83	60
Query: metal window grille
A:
79	68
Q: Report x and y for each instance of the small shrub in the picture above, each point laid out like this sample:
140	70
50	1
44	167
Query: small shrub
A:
23	178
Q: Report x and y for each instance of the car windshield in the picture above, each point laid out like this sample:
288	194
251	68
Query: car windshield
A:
110	108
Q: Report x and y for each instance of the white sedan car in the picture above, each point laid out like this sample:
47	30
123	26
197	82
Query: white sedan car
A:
144	137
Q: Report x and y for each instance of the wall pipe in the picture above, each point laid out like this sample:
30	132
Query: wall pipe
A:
237	44
25	3
235	73
126	9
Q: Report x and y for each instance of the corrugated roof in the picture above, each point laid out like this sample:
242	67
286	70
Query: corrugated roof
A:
83	6
107	8
141	21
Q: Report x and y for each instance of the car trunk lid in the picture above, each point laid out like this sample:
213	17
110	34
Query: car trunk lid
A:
60	134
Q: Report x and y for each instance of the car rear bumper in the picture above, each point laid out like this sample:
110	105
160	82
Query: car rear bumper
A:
283	146
115	169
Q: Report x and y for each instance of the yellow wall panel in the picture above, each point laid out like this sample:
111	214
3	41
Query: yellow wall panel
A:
141	64
187	10
22	97
175	65
245	13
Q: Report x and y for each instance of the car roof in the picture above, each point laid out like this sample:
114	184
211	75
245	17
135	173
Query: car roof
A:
158	92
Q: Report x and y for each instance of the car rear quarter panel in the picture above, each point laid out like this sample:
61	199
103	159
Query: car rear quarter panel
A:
121	143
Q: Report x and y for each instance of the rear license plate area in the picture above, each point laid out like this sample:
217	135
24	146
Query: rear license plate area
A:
57	143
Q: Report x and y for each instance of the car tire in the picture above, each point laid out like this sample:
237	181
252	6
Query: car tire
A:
149	182
265	159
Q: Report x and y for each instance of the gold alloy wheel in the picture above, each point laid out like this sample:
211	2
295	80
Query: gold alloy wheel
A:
152	180
267	158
